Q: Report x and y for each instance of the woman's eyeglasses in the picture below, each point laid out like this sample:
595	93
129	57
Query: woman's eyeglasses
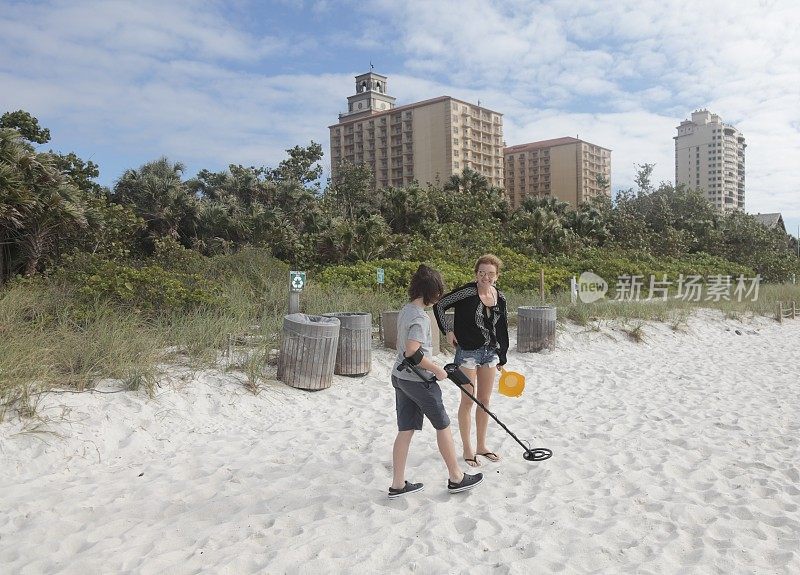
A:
484	274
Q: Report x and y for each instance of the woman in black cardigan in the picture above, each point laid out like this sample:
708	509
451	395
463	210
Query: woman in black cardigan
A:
480	335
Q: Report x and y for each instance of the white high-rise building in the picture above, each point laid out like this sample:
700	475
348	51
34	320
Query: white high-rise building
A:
709	156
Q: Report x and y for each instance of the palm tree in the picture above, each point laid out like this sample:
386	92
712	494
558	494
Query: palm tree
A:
467	182
15	198
547	203
160	198
37	203
59	207
372	236
221	223
539	231
587	222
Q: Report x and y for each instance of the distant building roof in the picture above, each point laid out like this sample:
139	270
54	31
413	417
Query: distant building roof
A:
771	220
546	144
371	116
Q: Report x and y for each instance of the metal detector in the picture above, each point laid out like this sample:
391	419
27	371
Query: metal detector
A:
460	379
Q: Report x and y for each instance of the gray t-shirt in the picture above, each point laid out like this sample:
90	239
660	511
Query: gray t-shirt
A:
413	323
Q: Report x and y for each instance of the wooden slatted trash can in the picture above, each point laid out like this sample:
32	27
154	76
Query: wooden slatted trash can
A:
308	351
354	352
536	328
389	329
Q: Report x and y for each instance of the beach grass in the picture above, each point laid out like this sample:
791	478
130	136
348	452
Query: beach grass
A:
48	342
51	339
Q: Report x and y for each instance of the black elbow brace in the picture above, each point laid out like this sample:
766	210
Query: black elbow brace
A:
415	357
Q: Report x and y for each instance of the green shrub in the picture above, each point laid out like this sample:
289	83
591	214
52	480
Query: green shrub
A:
397	275
171	255
148	288
254	267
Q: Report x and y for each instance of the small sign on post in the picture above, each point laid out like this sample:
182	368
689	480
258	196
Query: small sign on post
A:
297	281
379	277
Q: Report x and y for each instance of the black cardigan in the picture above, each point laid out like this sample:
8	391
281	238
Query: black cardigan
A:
468	325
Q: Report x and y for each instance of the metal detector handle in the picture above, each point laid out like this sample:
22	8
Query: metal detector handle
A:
453	374
416	370
456	375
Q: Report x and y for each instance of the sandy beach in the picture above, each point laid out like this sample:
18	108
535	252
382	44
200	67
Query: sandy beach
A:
675	455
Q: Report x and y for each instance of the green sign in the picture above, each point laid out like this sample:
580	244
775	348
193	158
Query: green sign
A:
297	281
380	275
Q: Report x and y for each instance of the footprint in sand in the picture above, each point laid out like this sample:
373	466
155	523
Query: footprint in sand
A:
465	525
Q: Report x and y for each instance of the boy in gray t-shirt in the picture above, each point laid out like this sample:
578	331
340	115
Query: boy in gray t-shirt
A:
416	397
412	323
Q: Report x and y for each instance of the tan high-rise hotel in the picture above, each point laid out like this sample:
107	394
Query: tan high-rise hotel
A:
426	142
564	168
709	156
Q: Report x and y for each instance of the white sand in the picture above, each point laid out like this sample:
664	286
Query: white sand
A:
677	455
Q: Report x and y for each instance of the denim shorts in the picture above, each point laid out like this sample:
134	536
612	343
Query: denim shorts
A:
474	358
413	399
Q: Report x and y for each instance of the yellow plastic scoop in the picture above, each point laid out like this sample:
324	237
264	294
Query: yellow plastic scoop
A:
511	384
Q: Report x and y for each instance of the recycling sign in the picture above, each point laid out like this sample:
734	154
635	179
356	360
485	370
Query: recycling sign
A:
379	272
297	281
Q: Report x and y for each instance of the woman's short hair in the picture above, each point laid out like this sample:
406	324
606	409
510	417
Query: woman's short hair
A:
426	283
489	259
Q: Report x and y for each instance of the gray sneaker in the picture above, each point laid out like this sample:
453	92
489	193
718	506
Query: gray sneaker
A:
467	483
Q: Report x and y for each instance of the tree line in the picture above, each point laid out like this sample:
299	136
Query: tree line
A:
52	209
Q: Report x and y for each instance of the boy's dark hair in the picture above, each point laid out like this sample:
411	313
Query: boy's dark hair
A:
426	283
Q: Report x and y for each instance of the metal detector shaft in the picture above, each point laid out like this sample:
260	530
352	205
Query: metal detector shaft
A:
492	415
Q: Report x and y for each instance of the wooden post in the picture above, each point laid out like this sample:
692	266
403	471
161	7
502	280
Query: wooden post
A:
389	327
541	284
573	290
780	312
794	309
294	301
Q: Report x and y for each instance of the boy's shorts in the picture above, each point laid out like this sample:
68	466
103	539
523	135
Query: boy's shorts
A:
474	358
413	399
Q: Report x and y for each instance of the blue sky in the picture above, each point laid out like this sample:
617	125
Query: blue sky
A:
211	83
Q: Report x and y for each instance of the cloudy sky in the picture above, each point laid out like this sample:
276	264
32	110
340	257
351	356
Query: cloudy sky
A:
210	83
